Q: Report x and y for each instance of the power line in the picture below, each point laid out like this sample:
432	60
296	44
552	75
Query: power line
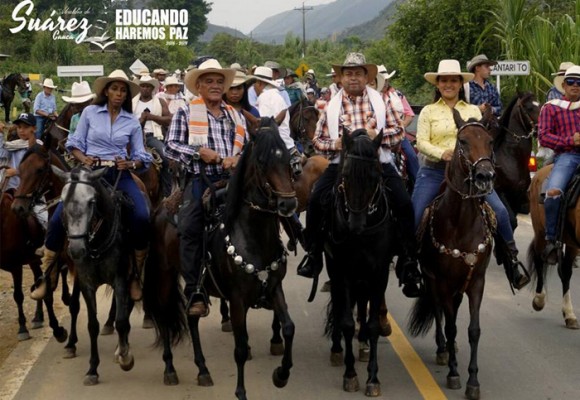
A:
304	9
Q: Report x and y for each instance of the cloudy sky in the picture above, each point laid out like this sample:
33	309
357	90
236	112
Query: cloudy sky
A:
245	15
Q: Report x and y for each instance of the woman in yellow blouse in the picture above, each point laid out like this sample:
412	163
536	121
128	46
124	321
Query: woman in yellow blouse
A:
436	138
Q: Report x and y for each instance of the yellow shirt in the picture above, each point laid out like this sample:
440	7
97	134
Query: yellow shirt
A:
436	129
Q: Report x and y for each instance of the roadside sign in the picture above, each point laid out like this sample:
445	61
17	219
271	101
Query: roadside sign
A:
511	68
302	69
79	70
137	67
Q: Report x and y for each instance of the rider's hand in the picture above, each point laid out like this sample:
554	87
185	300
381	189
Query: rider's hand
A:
10	172
447	155
577	139
87	160
230	163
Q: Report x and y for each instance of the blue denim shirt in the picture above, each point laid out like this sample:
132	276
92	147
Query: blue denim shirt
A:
44	103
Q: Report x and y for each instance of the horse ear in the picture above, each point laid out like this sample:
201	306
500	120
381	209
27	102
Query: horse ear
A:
280	117
94	175
378	140
253	122
64	176
346	138
488	119
457	118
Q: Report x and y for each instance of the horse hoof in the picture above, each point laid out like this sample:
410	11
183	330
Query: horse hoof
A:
147	323
277	349
37	324
62	336
472	392
278	382
204	380
127	362
572	323
385	327
350	384
336	359
69	352
291	245
539	302
227	326
22	336
91	380
170	379
453	382
442	358
364	355
373	390
107	330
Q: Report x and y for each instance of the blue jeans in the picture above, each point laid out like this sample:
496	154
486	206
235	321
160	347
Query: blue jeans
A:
564	167
412	159
427	187
40	124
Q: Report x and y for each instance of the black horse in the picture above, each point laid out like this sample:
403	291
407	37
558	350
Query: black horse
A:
358	251
9	85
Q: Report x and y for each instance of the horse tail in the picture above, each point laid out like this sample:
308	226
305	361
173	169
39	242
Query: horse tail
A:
163	301
330	323
535	263
422	315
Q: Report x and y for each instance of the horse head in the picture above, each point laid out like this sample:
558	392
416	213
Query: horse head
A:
80	202
360	177
303	119
34	172
473	156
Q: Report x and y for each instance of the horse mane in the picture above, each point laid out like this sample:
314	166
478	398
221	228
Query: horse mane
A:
368	173
258	155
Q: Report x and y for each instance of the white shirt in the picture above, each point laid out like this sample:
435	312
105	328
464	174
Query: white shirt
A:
269	104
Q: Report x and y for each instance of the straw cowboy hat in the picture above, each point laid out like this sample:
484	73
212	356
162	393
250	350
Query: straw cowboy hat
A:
80	93
116	76
448	68
148	80
263	74
239	79
160	71
563	67
571	72
380	82
356	60
275	66
332	73
171	80
383	71
479	60
49	83
208	66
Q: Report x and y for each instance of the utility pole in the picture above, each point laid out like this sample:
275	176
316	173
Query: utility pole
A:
304	9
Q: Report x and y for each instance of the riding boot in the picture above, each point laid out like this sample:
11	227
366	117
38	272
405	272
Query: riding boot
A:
407	270
511	265
39	288
311	264
135	288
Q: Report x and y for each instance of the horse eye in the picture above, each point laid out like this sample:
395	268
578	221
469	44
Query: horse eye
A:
278	153
462	142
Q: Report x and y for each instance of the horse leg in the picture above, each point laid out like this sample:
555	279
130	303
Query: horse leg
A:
225	313
363	331
109	326
65	294
450	309
534	255
474	331
282	373
92	376
59	333
239	314
384	323
18	296
38	320
276	344
170	377
373	385
442	355
124	307
74	308
203	376
344	308
565	273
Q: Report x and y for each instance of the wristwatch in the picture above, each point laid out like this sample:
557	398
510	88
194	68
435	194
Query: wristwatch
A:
134	166
196	156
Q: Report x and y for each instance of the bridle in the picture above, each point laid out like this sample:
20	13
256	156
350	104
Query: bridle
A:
301	124
36	196
472	191
525	120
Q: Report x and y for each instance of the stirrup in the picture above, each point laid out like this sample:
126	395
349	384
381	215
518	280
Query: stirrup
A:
198	297
308	266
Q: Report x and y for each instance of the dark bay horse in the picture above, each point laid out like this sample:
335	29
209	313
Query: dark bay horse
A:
513	139
303	119
571	239
9	85
56	131
358	252
456	248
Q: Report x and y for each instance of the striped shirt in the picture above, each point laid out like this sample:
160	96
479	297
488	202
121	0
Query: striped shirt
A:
221	134
556	128
487	94
356	113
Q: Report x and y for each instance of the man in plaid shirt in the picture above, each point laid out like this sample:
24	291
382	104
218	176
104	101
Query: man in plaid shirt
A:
357	106
481	92
559	130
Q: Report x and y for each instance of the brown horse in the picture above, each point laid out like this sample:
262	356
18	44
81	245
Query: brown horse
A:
571	238
456	249
56	131
303	119
512	147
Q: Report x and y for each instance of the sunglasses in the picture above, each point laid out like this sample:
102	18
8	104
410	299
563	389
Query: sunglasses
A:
572	81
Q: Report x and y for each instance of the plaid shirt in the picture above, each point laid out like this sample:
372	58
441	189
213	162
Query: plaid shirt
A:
554	93
556	128
356	113
488	94
221	135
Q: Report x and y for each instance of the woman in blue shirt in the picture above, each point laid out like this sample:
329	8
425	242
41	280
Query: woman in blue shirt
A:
104	130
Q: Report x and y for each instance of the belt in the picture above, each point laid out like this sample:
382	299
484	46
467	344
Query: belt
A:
105	163
435	164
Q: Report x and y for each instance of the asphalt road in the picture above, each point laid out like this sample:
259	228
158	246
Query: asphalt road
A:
523	354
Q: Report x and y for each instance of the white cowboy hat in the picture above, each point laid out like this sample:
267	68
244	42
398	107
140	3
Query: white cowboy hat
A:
160	71
448	68
571	72
263	74
49	83
80	93
171	80
239	79
148	80
116	76
563	67
380	82
478	60
383	71
357	60
206	67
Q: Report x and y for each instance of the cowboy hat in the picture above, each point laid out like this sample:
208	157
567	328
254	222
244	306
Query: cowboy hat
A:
208	66
332	73
275	66
160	71
383	71
116	76
80	93
239	79
479	60
148	80
49	83
571	72
380	82
563	67
263	74
356	60
448	68
237	67
171	80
